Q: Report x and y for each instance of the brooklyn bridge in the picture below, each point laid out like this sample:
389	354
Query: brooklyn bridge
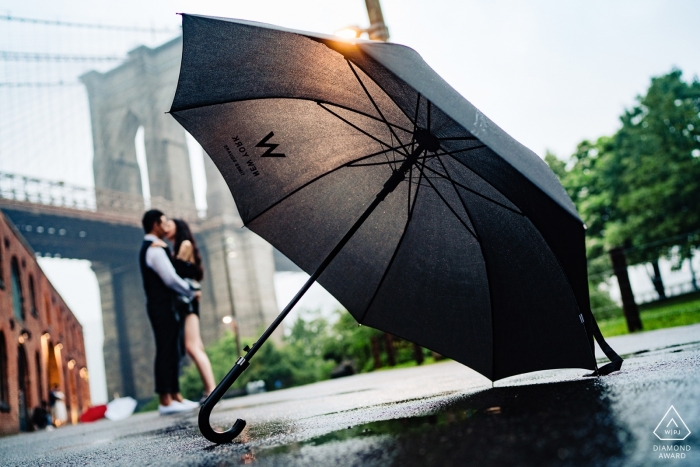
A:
102	224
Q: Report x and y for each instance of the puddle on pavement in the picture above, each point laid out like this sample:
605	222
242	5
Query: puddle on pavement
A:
547	424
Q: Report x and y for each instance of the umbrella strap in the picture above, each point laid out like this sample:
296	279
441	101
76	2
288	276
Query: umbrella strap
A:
615	360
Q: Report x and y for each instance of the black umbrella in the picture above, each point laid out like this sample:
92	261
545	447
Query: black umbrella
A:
420	215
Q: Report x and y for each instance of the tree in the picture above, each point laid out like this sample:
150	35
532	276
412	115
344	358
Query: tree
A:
590	179
639	188
658	148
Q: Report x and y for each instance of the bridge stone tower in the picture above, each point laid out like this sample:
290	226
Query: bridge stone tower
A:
239	265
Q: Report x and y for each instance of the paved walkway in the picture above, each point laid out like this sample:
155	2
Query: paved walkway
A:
652	340
441	414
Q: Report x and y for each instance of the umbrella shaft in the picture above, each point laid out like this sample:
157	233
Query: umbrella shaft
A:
391	184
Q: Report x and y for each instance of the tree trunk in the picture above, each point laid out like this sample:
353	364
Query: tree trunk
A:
692	274
629	306
657	280
418	354
375	353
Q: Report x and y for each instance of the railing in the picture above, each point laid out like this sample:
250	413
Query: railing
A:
51	193
671	291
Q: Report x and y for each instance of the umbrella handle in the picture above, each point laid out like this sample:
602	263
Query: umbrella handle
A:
220	437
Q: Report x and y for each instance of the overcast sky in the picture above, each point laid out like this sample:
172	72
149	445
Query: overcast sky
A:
550	73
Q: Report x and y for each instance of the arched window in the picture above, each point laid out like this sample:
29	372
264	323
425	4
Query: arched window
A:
4	397
17	297
32	297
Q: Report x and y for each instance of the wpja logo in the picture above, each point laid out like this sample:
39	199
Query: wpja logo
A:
671	428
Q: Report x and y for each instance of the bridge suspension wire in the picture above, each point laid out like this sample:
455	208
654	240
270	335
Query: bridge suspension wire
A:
45	127
39	84
105	27
43	57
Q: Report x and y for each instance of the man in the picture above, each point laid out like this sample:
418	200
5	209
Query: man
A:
161	282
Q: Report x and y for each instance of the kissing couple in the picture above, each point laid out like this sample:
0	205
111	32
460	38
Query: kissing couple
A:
171	281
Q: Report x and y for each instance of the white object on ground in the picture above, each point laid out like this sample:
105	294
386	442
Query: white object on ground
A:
120	408
255	387
189	403
174	407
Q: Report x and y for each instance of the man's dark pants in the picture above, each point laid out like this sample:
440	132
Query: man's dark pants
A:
167	333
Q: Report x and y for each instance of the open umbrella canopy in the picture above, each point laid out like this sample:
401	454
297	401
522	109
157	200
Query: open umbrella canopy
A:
467	243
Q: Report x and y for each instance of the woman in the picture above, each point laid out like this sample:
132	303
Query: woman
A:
188	265
58	411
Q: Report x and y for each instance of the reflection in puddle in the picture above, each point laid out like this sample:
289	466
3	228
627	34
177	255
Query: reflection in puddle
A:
545	424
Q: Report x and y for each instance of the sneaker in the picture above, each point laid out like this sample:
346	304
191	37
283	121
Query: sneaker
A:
173	407
189	403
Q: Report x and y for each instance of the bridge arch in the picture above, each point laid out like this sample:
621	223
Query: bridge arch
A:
106	229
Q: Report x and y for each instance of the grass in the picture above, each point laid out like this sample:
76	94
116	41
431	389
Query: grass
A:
676	311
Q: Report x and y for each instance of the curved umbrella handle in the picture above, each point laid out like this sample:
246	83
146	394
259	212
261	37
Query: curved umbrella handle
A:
220	437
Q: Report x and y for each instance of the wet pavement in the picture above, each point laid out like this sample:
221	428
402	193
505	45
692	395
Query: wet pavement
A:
441	414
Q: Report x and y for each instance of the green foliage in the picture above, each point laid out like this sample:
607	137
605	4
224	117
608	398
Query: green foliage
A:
602	306
349	340
639	188
658	148
312	348
666	315
279	366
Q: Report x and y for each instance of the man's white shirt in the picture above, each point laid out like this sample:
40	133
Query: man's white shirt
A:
157	259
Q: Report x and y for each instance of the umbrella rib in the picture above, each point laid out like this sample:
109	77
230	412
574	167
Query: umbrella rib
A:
384	152
296	190
354	126
451	153
393	255
447	177
428	115
481	249
369	96
479	194
459	195
460	138
415	122
386	156
446	203
388	162
410	178
364	115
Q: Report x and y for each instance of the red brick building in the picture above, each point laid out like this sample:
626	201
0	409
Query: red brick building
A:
41	342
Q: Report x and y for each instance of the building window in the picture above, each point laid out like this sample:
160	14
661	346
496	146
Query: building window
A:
17	297
2	270
47	309
4	402
32	298
39	379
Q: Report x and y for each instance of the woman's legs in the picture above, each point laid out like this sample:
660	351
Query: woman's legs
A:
195	349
